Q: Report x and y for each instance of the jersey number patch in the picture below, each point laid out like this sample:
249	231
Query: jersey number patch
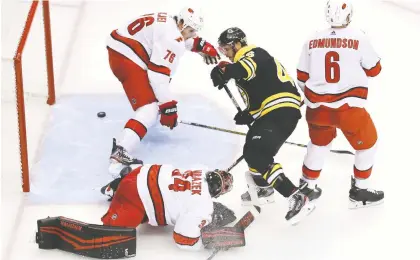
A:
332	68
181	184
282	74
145	21
170	56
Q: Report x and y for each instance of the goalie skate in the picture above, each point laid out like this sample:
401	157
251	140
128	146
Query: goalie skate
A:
362	198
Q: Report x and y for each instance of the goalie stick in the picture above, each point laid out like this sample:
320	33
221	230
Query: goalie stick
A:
244	222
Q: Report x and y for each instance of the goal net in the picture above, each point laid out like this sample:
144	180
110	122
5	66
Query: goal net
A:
27	84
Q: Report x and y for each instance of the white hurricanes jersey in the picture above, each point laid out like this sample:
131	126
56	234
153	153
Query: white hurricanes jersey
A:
153	42
176	197
334	67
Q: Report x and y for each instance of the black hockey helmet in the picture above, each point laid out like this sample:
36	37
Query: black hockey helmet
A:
219	182
232	35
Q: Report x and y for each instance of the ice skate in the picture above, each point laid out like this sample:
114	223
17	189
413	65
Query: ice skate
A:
313	194
362	198
299	205
110	188
119	159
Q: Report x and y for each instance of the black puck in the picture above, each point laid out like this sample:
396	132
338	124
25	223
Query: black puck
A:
101	114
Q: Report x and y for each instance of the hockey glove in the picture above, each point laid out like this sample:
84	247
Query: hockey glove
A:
217	77
169	114
223	64
222	215
202	46
209	59
243	118
206	50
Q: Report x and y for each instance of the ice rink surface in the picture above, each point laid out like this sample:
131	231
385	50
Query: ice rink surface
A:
69	146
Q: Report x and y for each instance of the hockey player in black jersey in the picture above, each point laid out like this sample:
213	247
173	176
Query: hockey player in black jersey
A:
273	109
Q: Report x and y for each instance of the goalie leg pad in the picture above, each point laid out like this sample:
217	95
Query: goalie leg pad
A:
223	237
97	241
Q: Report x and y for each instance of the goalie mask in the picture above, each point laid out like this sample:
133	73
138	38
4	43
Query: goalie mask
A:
219	182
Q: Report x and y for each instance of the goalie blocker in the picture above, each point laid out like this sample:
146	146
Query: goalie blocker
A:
97	241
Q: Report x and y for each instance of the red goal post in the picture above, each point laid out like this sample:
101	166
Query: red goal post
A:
20	103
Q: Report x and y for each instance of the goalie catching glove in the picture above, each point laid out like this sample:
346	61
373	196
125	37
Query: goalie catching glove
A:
169	114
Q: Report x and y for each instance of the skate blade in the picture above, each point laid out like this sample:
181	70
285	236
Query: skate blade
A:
261	201
303	213
359	204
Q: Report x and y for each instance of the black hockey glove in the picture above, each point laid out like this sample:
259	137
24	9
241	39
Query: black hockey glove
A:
243	118
222	215
217	77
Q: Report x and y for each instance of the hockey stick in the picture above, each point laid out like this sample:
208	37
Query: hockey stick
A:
232	98
211	127
239	110
244	134
244	222
235	163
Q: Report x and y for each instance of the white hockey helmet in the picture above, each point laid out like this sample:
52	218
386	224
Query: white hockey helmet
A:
338	12
192	18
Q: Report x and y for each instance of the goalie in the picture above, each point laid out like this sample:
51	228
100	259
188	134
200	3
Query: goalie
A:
159	195
162	195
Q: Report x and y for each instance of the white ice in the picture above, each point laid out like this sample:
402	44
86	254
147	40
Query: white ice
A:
69	146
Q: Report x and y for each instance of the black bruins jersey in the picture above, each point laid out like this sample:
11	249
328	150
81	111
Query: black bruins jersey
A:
263	82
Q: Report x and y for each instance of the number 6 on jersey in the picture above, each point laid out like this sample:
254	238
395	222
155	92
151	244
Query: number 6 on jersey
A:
332	68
